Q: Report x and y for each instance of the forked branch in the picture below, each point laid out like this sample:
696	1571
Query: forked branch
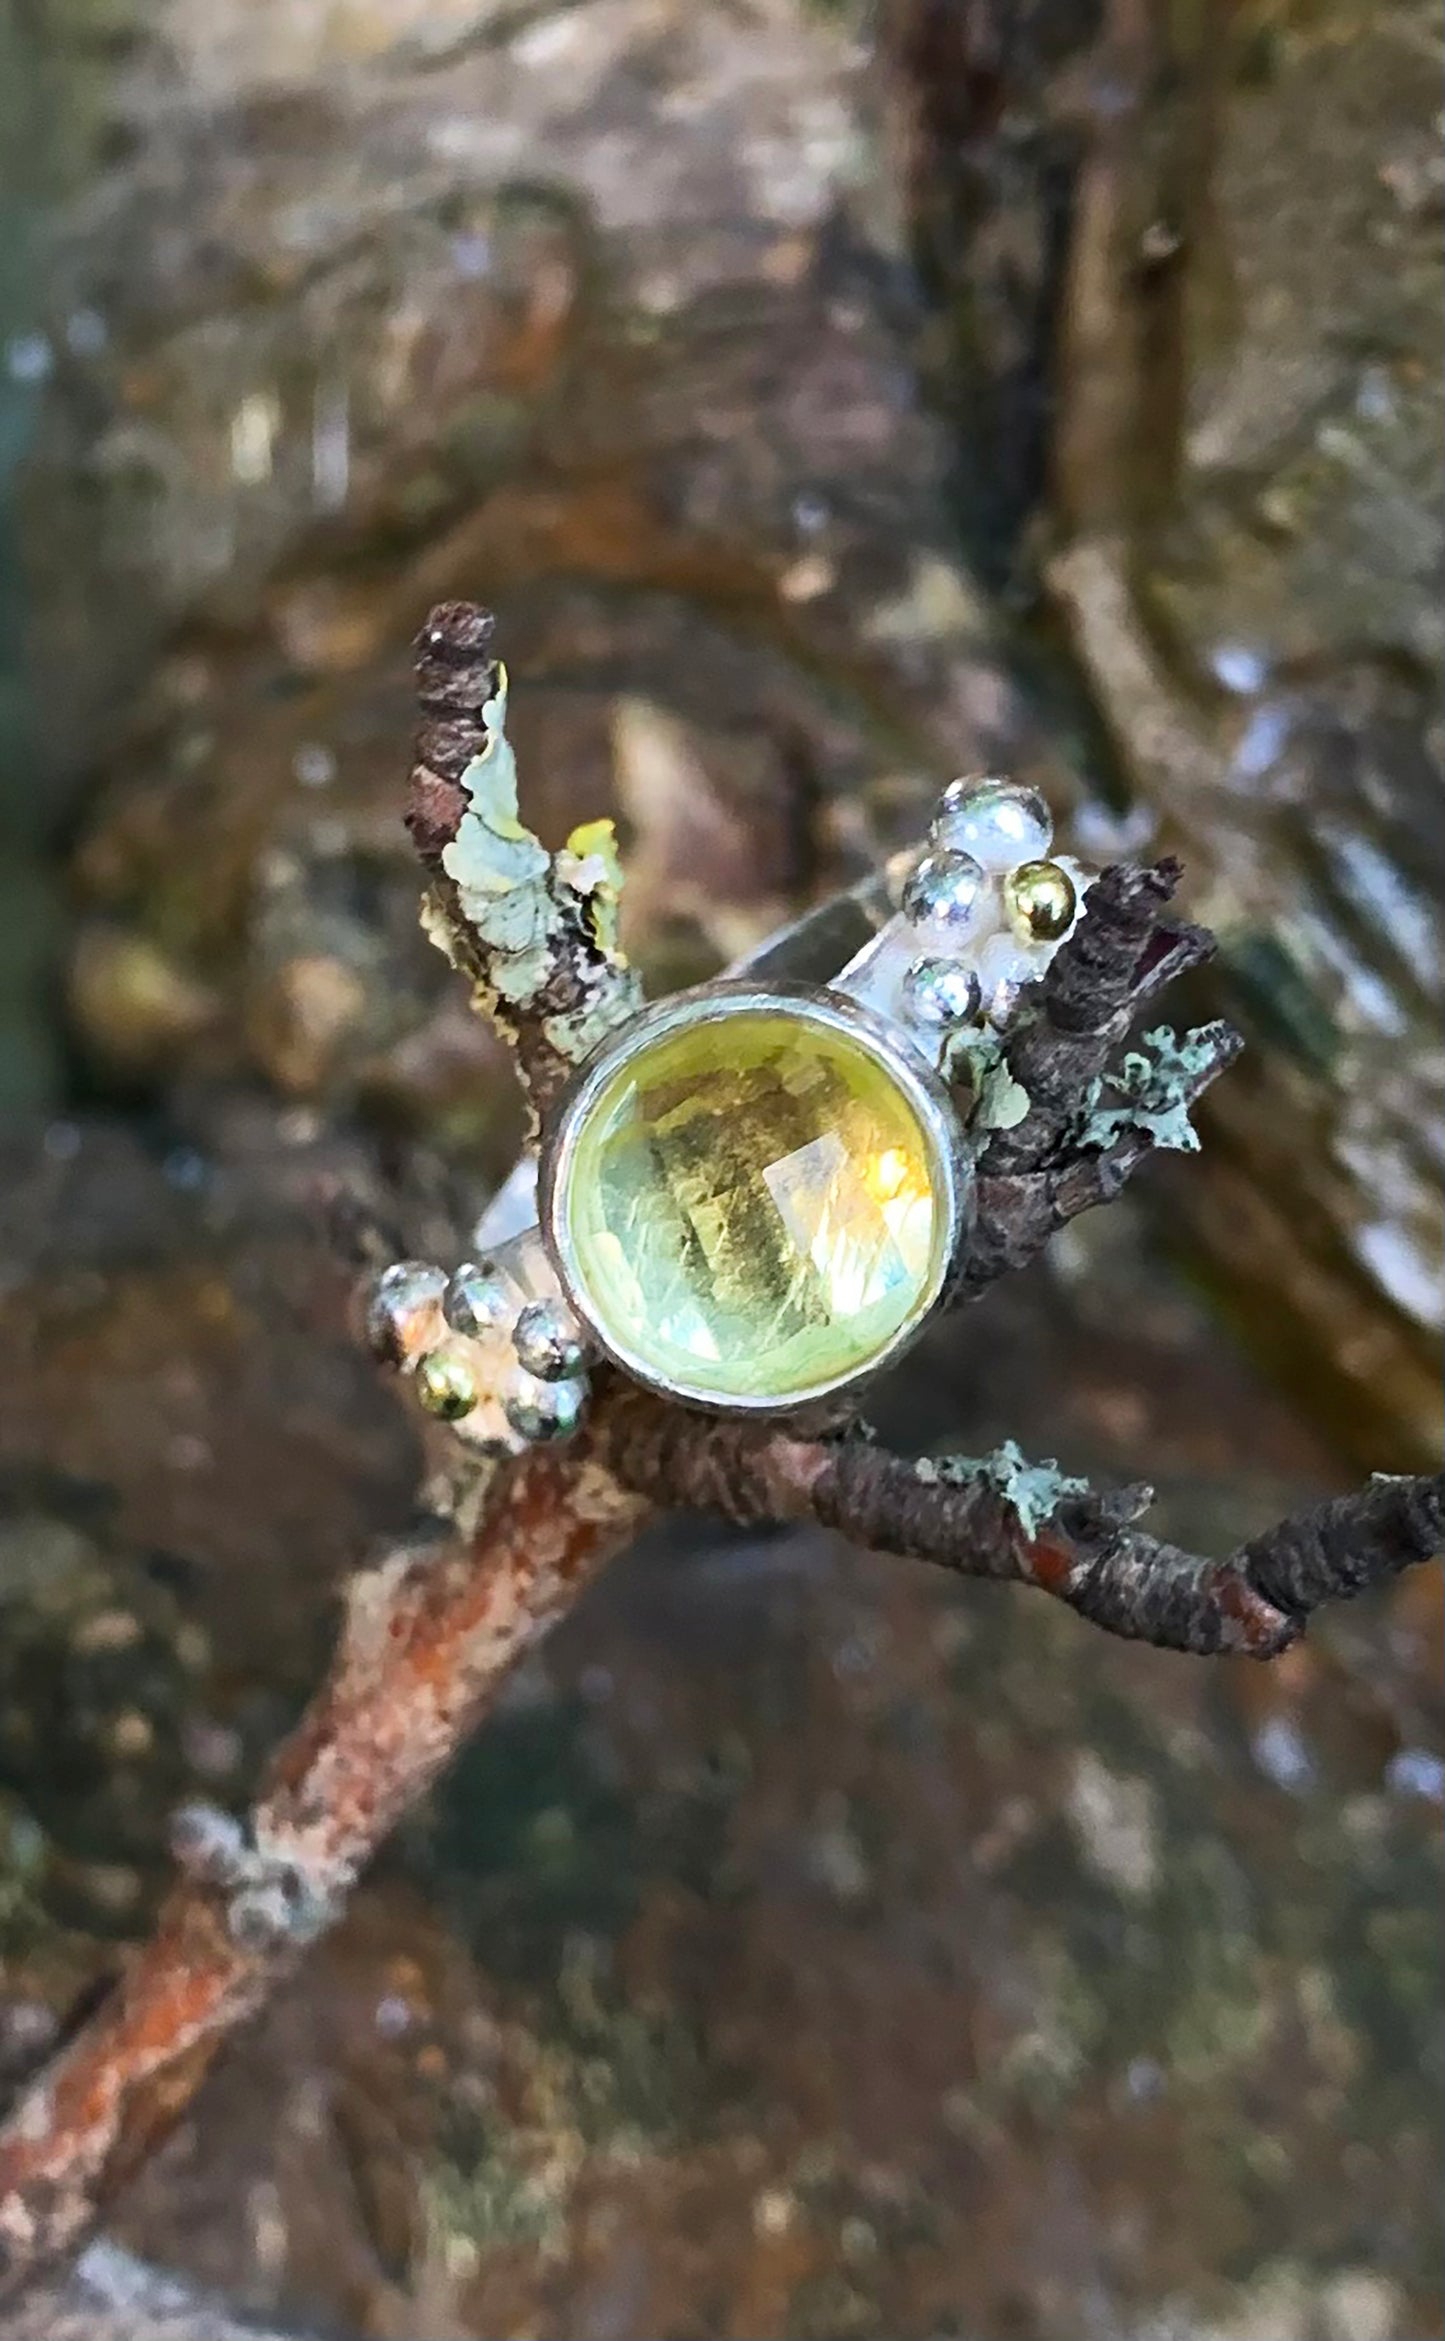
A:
432	1630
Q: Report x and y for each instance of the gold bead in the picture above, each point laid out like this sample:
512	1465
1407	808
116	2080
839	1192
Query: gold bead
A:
1040	901
446	1385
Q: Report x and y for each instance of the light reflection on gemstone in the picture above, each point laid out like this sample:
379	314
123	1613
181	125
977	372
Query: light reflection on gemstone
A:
753	1207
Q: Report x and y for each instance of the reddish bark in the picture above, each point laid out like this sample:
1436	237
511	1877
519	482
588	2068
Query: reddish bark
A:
429	1636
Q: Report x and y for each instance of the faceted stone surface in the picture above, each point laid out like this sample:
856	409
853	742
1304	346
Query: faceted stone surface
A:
753	1208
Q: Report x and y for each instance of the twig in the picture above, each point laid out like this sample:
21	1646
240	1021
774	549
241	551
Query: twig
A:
1019	1211
531	930
428	1636
1030	1524
430	1633
1093	991
1056	1161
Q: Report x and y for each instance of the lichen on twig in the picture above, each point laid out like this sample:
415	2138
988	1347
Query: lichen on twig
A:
1151	1092
536	933
432	1629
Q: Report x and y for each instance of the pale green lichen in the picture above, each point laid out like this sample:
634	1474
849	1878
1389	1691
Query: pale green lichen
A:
575	1035
518	976
500	870
437	928
523	905
1034	1490
1152	1090
590	864
1000	1102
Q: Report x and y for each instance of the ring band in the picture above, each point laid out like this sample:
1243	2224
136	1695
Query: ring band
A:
752	1195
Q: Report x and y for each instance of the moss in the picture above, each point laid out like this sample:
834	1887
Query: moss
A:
605	2082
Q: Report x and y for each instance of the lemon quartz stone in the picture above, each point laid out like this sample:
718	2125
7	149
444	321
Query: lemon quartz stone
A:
754	1207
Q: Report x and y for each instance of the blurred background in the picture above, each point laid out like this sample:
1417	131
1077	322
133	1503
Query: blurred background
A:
828	400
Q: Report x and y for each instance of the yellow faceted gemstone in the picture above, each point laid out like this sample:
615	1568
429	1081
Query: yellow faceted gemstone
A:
754	1206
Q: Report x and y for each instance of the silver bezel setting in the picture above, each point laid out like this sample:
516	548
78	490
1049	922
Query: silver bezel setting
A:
951	1165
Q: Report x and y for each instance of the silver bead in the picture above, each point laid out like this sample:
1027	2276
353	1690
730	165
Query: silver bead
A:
945	893
1004	967
477	1302
548	1341
546	1410
999	822
400	1298
1003	1000
941	993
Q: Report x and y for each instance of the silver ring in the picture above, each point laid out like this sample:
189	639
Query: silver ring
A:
819	1225
751	1197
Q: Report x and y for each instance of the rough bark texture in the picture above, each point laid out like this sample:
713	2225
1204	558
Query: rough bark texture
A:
1018	1211
1086	1001
1005	1519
